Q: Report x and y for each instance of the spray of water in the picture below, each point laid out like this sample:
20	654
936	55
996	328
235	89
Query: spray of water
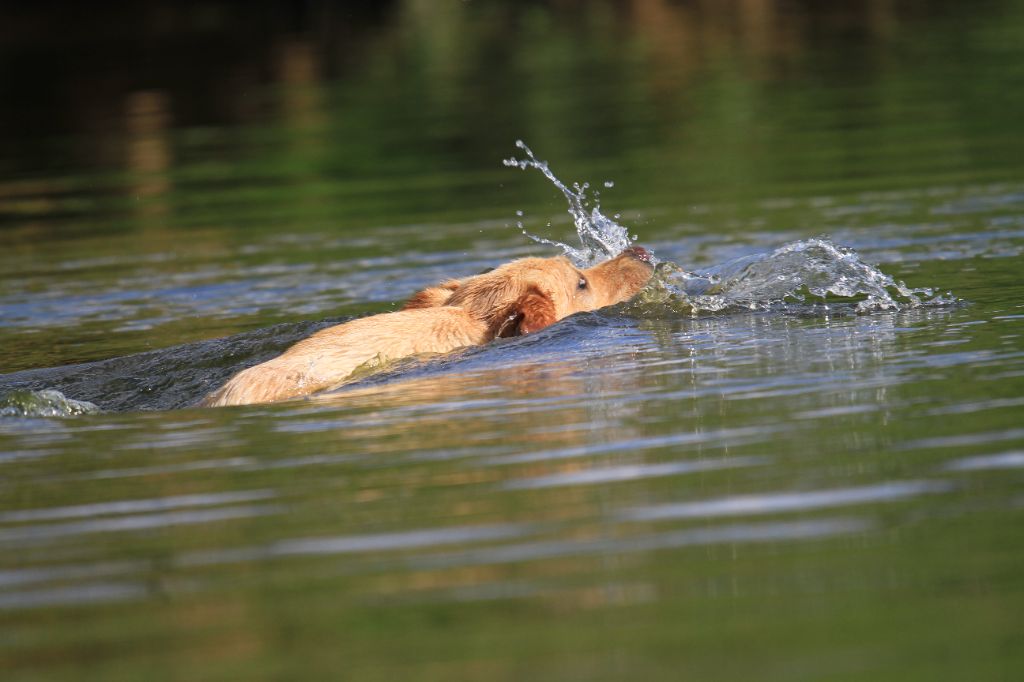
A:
810	271
791	274
600	236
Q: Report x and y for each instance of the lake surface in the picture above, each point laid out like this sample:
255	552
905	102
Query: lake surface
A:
789	490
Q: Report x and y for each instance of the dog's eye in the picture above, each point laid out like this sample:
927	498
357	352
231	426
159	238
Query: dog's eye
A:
583	283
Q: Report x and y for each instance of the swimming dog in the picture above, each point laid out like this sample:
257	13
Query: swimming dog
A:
516	298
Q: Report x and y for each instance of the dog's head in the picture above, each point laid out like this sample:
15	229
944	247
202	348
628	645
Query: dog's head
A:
527	295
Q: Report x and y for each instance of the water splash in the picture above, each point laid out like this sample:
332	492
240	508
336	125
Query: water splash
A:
600	237
814	268
45	403
792	273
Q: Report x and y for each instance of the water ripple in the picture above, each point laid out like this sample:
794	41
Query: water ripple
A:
240	463
756	532
774	503
353	544
133	506
963	440
629	473
719	438
93	593
1003	460
36	533
42	574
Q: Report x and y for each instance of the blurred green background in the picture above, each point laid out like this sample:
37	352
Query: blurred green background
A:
292	115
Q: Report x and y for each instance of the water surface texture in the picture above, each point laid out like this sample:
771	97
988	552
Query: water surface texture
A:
798	455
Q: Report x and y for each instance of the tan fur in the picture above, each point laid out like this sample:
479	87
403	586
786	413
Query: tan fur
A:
517	298
433	296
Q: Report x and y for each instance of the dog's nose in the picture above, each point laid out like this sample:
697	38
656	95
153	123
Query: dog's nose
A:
638	252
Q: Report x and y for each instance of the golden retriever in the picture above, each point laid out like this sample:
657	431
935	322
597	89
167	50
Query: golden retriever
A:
517	298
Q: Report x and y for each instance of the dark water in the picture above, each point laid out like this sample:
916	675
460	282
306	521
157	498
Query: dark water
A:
791	490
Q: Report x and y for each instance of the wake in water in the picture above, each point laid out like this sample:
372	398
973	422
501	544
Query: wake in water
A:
44	403
792	273
807	271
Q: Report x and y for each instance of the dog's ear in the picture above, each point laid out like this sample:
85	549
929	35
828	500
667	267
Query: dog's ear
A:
533	311
432	297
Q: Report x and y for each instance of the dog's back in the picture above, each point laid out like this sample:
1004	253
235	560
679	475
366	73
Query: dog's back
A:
329	357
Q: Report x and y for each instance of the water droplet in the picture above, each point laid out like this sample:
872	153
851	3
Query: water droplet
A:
600	237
